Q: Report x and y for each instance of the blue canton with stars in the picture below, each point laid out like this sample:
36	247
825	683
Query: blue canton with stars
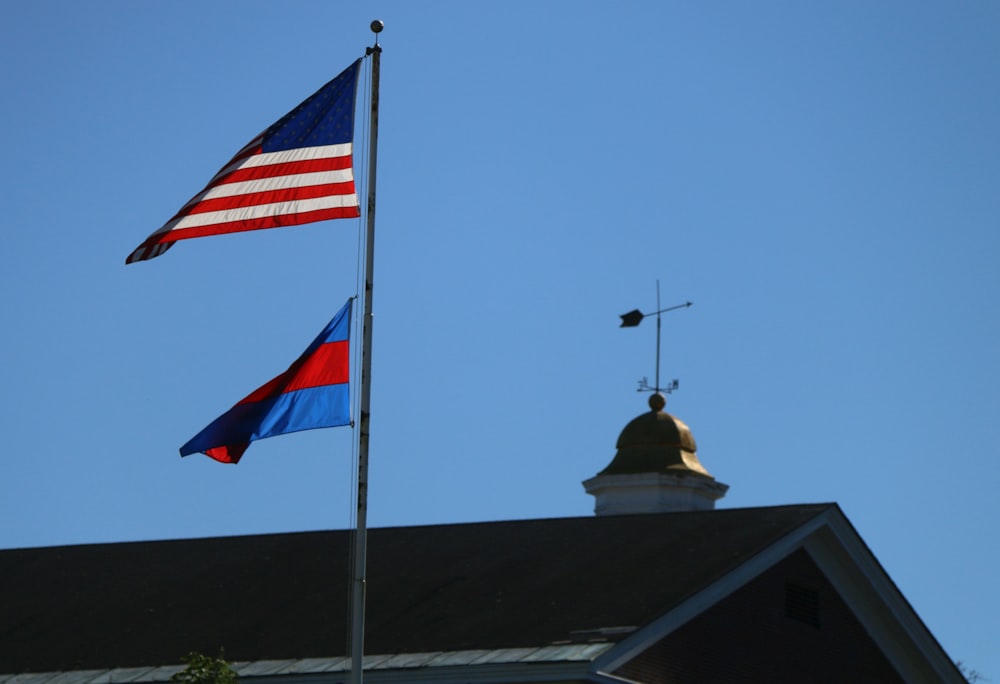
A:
325	118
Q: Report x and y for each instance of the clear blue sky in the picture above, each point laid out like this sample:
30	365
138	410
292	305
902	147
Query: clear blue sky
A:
822	180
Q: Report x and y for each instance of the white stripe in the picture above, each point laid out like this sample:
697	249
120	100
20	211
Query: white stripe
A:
142	252
298	180
298	154
234	163
249	213
304	153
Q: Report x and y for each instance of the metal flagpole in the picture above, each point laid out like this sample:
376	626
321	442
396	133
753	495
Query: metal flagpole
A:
361	524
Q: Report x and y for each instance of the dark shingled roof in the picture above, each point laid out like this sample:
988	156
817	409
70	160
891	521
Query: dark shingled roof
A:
430	588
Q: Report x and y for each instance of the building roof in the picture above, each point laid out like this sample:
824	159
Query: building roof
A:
438	588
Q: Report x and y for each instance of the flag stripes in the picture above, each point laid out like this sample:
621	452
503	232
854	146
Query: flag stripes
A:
313	393
267	191
276	190
327	365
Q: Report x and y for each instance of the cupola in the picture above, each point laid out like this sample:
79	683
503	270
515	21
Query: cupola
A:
655	470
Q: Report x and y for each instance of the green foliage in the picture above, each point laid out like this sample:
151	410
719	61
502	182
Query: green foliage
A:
970	675
202	669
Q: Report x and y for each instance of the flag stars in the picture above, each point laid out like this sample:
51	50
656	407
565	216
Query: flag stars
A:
326	118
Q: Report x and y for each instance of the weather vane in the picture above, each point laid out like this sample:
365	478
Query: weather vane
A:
634	318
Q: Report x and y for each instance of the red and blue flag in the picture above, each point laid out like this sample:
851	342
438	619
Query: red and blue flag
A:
297	171
312	393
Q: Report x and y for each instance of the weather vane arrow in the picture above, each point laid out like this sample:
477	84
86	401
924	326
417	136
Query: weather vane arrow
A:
634	317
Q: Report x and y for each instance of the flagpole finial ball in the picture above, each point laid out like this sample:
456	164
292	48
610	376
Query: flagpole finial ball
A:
657	401
377	26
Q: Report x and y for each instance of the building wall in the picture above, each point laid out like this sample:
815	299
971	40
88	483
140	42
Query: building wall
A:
787	625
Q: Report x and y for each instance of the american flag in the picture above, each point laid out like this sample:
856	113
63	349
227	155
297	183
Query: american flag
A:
297	171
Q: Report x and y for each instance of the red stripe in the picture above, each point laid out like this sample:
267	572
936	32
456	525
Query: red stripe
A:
227	454
328	365
269	171
285	169
249	150
256	224
271	196
148	250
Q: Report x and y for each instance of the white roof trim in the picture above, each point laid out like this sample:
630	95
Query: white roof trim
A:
638	642
878	604
853	571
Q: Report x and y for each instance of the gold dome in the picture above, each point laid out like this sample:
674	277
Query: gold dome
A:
656	442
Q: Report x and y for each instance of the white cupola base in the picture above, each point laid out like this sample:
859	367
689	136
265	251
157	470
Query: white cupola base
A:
653	493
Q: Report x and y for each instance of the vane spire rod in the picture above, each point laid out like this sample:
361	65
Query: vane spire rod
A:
634	318
659	325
